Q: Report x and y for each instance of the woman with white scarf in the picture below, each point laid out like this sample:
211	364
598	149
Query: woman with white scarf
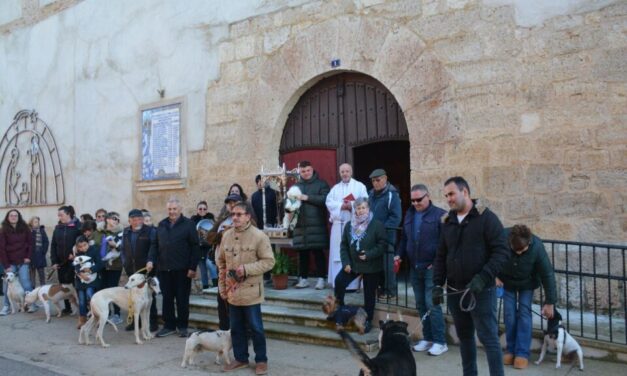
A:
363	244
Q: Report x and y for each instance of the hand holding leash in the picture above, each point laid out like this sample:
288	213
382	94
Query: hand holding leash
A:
547	311
476	284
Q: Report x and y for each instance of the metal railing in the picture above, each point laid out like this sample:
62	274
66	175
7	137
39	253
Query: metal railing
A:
591	282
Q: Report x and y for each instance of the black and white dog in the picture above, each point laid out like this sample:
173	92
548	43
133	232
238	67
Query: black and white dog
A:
556	337
394	357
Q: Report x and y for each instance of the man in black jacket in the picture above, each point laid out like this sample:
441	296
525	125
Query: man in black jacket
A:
136	241
472	252
175	252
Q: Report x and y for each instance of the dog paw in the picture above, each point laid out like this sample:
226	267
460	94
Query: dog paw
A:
558	366
139	342
105	345
537	362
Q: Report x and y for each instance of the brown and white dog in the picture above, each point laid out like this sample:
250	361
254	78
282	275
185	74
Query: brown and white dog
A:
137	293
218	341
54	294
15	292
344	315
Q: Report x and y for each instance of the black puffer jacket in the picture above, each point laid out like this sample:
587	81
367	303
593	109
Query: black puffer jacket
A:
63	239
310	231
175	247
134	255
475	246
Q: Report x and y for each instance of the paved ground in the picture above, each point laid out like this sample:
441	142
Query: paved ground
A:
29	346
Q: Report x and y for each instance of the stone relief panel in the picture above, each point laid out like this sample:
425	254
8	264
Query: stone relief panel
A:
29	164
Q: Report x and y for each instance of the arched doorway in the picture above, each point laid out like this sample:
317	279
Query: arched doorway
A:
349	117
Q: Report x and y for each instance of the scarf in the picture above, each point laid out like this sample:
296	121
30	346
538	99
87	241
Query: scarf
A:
359	224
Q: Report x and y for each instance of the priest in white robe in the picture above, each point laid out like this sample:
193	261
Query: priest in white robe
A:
340	204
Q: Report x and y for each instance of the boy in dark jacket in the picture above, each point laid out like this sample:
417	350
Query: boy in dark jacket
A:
528	268
87	279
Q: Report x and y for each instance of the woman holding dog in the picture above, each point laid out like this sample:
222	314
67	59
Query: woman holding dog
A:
16	253
528	268
363	243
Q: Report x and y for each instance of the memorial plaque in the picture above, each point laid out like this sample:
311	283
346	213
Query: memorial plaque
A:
161	142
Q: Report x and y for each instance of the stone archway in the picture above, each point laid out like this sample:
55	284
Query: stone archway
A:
392	54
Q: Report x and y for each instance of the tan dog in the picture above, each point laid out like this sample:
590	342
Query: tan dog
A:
15	292
344	315
54	294
218	341
137	292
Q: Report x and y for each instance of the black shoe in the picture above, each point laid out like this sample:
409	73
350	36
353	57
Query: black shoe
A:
368	327
205	286
66	311
165	332
130	327
183	333
154	327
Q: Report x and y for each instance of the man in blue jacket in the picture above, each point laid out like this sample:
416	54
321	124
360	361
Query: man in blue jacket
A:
175	252
419	243
385	206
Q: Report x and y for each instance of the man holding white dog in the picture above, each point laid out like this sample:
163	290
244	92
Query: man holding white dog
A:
244	255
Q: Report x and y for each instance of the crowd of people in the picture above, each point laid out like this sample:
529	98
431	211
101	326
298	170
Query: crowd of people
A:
464	253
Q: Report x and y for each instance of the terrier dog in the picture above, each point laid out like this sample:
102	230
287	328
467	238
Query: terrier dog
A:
343	315
81	265
56	294
15	292
218	341
292	206
394	357
556	337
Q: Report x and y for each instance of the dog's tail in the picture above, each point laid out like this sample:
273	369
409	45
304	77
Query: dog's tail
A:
365	362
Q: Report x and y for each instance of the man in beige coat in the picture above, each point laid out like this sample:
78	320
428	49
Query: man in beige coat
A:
244	255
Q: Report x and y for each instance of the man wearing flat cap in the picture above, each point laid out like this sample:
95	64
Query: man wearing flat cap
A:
385	205
134	250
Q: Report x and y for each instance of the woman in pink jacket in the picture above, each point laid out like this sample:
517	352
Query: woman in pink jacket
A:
16	252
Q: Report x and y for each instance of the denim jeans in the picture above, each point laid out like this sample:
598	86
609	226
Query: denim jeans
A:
433	326
84	296
23	274
247	319
483	319
204	277
517	317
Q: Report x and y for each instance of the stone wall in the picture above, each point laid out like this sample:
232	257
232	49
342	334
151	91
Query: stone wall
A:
530	109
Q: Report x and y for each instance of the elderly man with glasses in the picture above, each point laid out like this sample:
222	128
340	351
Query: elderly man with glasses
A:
419	243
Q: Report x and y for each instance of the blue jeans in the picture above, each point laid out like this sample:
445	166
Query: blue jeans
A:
517	316
482	318
247	319
23	274
84	296
212	268
204	278
433	326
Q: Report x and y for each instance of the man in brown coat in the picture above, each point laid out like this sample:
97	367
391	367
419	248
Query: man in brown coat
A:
244	255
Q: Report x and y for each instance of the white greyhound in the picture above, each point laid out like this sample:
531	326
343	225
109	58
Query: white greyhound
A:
136	294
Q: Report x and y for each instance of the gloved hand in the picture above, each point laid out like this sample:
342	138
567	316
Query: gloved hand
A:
437	293
476	284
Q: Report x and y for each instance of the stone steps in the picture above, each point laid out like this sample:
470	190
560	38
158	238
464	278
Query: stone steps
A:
285	316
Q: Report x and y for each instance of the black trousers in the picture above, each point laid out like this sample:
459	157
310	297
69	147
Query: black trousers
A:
303	261
223	314
111	278
343	279
175	286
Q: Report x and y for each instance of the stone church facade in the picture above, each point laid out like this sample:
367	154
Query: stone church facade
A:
529	105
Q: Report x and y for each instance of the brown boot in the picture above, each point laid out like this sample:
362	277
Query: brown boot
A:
508	359
81	321
520	363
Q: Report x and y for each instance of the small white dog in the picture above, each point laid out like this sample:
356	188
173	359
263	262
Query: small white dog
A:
218	341
54	294
15	292
84	263
558	338
292	205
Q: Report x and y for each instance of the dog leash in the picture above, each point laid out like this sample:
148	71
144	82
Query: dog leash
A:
472	303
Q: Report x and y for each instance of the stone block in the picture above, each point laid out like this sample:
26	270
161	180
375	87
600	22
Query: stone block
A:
252	66
529	122
274	39
426	156
420	82
503	181
578	182
587	160
496	15
482	72
444	25
226	51
232	72
478	151
578	204
618	157
545	178
459	4
346	40
459	48
518	208
241	28
611	178
398	9
322	41
612	134
609	65
368	42
245	47
297	58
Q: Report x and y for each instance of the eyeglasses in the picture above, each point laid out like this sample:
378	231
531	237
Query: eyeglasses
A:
115	218
417	200
235	214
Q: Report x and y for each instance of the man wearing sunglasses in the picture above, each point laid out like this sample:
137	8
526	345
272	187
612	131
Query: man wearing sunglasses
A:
419	242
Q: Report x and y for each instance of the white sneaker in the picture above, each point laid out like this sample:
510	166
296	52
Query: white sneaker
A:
320	285
5	311
116	319
438	349
302	283
422	346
